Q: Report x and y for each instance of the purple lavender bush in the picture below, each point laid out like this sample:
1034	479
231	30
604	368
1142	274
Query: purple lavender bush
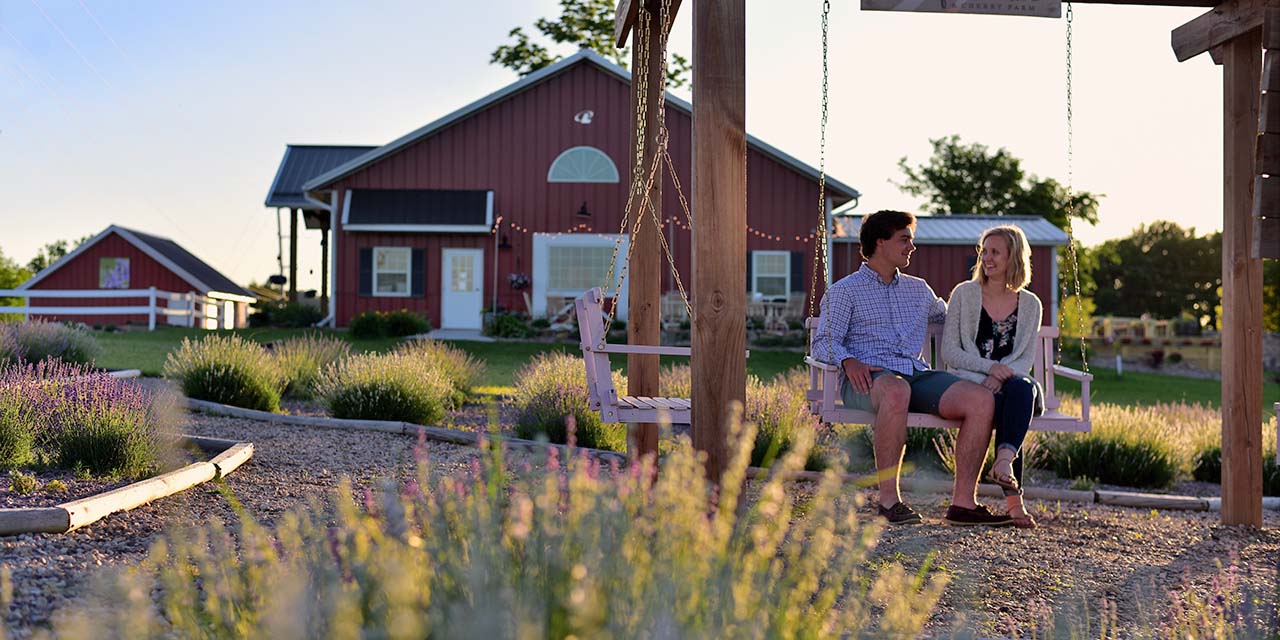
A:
70	417
551	391
10	351
39	341
228	370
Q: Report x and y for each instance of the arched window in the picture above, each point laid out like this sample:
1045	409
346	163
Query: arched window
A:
582	164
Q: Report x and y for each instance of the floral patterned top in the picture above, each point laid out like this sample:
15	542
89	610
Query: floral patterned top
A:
995	337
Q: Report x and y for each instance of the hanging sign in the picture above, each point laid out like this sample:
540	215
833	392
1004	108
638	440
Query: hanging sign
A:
1034	8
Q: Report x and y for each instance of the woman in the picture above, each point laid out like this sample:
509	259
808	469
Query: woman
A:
991	334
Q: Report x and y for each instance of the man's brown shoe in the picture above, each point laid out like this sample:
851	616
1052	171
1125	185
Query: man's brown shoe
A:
975	517
900	513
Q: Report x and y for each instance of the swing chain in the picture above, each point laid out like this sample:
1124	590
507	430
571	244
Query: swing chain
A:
820	256
1073	259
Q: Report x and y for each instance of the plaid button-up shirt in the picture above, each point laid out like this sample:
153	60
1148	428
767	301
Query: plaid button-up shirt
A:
882	325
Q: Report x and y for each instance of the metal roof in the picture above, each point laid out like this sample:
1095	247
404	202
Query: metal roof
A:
416	207
303	162
960	229
163	250
839	190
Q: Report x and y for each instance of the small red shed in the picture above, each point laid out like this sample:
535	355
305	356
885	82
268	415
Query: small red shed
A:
123	276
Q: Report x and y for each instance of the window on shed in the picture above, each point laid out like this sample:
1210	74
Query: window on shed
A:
575	268
391	271
771	273
582	164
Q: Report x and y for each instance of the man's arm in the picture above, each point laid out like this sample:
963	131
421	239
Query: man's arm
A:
937	308
837	312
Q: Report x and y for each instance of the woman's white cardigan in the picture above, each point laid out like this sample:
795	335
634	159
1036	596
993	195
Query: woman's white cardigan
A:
960	334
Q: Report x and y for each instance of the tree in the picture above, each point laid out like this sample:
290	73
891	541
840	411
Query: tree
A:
11	275
587	24
1271	295
970	179
1160	269
51	252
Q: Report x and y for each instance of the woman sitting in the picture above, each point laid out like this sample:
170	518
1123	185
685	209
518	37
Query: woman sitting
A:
991	336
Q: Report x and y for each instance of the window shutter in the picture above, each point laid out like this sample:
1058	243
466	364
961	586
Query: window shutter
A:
418	269
366	272
750	285
797	271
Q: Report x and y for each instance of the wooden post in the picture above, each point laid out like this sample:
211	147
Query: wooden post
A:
720	227
191	309
644	286
293	254
1241	287
324	270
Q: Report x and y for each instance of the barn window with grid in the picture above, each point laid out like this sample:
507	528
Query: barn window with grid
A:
771	272
391	271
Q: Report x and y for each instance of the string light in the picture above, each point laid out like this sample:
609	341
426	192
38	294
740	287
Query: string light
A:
584	228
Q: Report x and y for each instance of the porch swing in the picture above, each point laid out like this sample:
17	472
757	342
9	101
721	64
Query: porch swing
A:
824	379
593	320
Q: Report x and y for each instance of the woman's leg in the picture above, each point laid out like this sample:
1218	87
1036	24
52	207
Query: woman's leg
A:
1011	431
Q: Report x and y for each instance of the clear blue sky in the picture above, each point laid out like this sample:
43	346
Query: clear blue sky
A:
171	117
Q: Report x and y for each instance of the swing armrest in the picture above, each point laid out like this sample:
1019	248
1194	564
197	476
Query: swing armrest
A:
1073	374
818	364
646	350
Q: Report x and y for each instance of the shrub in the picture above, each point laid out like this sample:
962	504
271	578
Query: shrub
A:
55	486
1149	447
40	340
457	366
370	324
406	323
227	369
390	386
10	351
23	483
75	418
1208	461
779	409
301	359
508	325
569	552
295	315
550	392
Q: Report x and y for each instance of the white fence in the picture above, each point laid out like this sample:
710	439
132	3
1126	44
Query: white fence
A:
192	309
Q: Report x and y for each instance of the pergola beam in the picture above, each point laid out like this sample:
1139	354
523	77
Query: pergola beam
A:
1224	23
625	18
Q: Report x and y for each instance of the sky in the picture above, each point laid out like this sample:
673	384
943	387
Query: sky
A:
172	116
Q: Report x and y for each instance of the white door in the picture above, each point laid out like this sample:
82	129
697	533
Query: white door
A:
462	297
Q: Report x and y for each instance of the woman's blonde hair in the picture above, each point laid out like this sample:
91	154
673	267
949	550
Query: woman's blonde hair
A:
1018	274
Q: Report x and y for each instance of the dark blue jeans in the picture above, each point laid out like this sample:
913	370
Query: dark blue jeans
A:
1014	405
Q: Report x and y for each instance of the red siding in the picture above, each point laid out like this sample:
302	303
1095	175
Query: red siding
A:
81	272
945	266
509	148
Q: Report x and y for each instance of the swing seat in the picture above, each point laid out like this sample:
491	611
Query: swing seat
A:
824	388
602	395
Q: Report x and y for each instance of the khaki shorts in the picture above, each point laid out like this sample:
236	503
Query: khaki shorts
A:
927	388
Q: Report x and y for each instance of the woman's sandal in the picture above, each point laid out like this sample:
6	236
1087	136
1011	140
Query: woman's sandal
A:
1005	481
1024	521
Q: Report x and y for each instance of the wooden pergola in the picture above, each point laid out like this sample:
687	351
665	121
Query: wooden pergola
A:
1234	32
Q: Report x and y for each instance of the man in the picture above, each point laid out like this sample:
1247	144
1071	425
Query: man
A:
874	325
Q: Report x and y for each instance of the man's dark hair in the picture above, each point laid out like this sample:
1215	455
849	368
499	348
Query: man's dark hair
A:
881	225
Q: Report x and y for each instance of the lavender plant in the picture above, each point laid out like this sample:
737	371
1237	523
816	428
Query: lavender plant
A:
69	416
457	366
302	359
391	386
779	409
573	550
10	351
550	391
227	369
39	340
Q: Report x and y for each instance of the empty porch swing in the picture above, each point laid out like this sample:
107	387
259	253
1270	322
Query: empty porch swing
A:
823	394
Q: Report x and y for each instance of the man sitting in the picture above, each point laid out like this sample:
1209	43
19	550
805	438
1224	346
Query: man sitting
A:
874	325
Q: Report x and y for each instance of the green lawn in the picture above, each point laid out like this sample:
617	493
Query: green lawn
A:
147	350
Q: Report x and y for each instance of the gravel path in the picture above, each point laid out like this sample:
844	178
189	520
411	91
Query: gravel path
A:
1080	554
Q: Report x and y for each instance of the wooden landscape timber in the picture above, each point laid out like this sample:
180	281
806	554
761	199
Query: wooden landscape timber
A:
78	513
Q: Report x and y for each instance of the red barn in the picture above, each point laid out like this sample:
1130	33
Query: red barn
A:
515	200
115	271
946	249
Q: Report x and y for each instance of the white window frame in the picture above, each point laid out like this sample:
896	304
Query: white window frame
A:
755	272
607	180
542	244
408	273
